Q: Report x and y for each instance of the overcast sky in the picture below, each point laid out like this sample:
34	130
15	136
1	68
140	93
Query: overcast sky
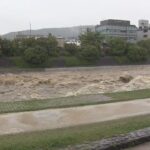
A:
16	14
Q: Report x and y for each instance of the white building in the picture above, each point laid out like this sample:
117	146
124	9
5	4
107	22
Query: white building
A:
73	41
118	29
143	32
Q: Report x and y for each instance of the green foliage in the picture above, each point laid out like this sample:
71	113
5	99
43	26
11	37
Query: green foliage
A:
50	44
92	38
35	56
5	48
89	53
72	49
20	45
92	47
118	46
20	62
145	44
136	53
72	61
121	59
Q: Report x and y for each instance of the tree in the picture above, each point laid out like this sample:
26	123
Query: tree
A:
90	53
145	44
118	46
92	38
50	43
35	56
72	49
6	47
136	53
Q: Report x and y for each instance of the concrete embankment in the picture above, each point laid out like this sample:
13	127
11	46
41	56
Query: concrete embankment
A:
120	142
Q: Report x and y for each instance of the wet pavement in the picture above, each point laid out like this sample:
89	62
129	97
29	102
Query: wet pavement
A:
145	146
67	117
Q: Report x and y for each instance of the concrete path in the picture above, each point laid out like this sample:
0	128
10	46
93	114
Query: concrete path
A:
59	118
141	147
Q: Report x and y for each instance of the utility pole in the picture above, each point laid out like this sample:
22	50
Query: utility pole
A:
30	30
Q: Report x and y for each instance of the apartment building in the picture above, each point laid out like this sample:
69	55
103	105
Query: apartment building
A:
118	28
143	32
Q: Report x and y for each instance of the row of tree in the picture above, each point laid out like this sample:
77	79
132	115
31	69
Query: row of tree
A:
93	46
115	47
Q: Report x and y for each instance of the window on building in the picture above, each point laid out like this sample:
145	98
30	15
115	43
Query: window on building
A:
145	36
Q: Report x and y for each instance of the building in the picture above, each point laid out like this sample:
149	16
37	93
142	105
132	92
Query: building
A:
85	29
26	36
143	32
118	29
60	41
73	41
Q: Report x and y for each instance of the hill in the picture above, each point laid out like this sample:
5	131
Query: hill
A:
67	32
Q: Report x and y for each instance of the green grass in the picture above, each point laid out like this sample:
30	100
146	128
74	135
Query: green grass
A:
33	105
60	138
130	95
67	61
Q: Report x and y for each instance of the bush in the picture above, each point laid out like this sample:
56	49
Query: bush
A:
19	62
92	38
72	49
89	53
145	44
136	53
121	59
118	46
35	56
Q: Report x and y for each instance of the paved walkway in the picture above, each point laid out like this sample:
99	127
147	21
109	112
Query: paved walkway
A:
59	118
141	147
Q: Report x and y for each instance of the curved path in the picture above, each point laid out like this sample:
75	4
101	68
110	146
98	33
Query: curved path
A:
59	118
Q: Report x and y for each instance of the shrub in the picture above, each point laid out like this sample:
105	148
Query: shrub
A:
145	44
121	59
89	53
35	56
72	49
118	46
72	61
136	53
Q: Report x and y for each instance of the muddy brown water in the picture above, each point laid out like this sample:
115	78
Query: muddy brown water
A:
63	82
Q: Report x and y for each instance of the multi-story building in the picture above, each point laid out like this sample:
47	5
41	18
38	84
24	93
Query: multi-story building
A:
26	36
143	32
118	28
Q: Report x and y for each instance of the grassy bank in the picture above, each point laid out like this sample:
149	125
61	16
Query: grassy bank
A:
130	95
60	61
32	105
60	138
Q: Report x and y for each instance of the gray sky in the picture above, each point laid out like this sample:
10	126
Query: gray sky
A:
16	14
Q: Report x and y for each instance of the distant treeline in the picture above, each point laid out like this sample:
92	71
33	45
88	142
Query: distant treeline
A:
43	52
